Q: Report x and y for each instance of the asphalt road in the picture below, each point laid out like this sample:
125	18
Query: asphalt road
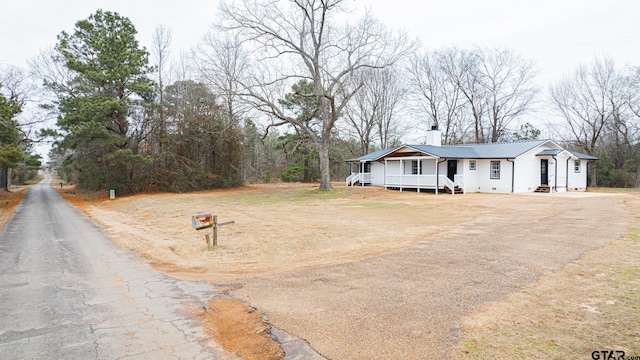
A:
68	292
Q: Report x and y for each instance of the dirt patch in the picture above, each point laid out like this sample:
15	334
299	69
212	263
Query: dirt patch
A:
592	305
240	329
8	201
82	199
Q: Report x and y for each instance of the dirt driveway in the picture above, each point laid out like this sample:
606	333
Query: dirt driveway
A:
362	272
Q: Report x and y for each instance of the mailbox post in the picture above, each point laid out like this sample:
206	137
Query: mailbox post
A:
215	230
204	221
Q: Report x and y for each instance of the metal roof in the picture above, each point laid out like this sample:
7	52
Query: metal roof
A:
582	156
550	152
482	151
446	151
478	151
371	156
553	152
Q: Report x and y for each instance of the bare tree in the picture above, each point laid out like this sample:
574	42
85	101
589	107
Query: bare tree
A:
582	99
590	101
507	79
18	85
46	66
220	60
303	40
480	89
633	127
435	94
360	115
371	115
160	51
633	81
53	74
391	93
462	68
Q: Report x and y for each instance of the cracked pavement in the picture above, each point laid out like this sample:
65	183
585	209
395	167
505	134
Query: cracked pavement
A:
66	291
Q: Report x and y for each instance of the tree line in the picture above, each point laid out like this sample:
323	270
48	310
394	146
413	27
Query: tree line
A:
290	90
19	162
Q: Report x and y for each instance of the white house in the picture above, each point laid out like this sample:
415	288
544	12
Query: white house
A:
516	167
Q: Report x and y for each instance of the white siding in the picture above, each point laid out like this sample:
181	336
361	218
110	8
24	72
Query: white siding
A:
377	174
470	176
577	180
528	173
560	179
481	181
428	167
393	168
528	176
525	169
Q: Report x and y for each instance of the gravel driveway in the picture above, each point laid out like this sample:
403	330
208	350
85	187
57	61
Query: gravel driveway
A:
408	304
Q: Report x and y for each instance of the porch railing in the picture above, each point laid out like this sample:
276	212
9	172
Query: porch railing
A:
459	180
352	179
425	181
450	184
363	178
418	181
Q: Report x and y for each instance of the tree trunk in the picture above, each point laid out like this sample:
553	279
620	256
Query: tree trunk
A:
305	173
476	118
4	179
325	171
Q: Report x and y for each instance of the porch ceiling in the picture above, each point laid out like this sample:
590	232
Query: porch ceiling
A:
407	154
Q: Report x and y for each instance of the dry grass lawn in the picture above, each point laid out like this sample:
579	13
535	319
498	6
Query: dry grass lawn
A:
368	273
8	200
278	228
590	305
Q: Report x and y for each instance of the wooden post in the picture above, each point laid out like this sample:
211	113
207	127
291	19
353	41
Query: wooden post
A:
205	221
215	230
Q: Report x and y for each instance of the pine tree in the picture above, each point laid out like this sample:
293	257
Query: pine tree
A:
110	82
10	152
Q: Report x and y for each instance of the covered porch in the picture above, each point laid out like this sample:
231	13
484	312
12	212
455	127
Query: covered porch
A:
423	172
408	167
554	170
360	174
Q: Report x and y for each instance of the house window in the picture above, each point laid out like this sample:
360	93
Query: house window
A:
576	166
414	167
367	167
472	165
495	169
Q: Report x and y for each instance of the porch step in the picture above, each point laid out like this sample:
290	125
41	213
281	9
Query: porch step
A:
543	189
456	189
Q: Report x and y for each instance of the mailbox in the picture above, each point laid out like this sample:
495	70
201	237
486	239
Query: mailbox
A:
202	221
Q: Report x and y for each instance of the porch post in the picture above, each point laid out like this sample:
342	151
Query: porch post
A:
437	176
419	172
401	173
361	171
385	173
